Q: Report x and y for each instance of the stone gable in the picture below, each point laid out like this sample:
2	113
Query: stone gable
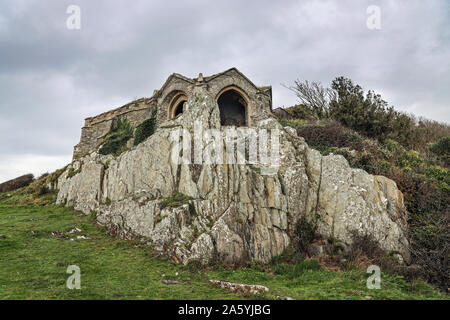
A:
239	102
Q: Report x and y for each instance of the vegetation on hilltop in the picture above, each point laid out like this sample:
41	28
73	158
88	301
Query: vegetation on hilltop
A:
16	183
377	138
365	113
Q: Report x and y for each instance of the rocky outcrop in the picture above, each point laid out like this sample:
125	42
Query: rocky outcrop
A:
231	210
236	211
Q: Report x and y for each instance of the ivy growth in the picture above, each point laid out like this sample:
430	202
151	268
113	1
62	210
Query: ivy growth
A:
145	129
116	140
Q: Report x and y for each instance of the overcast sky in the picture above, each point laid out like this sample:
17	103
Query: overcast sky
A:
51	78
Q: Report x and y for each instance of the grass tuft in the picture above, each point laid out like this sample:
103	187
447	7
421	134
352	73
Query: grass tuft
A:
175	200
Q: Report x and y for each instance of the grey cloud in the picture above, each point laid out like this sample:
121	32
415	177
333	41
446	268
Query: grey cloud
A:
51	78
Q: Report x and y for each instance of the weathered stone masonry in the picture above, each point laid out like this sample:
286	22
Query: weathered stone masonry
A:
231	85
95	128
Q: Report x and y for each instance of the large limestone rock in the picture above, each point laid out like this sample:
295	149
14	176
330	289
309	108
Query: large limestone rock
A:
237	211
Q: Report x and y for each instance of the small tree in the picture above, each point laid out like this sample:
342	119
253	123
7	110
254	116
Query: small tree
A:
313	96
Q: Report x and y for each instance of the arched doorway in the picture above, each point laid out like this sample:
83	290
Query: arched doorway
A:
232	107
176	105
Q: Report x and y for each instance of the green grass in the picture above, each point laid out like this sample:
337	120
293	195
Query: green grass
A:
330	285
33	265
175	200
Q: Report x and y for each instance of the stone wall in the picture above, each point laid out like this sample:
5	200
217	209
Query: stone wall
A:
95	128
258	102
258	99
282	114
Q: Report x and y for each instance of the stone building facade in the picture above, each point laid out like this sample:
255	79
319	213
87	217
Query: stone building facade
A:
239	103
282	114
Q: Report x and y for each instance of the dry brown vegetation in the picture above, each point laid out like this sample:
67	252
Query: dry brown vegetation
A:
16	183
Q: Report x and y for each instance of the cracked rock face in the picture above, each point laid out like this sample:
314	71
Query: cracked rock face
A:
236	212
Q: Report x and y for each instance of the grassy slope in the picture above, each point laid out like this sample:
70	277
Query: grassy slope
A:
33	265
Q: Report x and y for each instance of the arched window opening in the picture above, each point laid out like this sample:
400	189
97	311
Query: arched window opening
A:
232	107
179	108
177	104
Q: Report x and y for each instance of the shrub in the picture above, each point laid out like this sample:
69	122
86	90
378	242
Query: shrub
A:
365	112
145	129
442	149
117	138
302	111
364	251
424	184
294	123
288	255
429	131
331	133
364	245
314	97
441	175
305	233
52	178
175	200
431	247
292	271
72	172
16	183
46	174
415	153
403	158
43	190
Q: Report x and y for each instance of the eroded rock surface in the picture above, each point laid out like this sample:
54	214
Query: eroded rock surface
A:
236	211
